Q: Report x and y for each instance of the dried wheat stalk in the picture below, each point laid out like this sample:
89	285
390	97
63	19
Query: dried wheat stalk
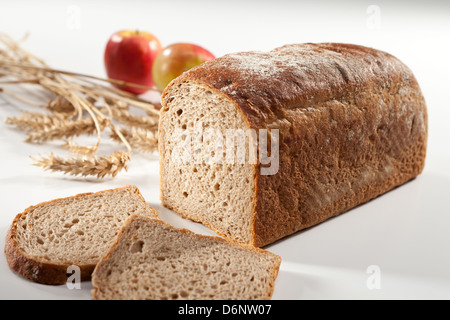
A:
74	147
124	116
86	166
33	121
61	106
66	129
139	138
77	105
43	127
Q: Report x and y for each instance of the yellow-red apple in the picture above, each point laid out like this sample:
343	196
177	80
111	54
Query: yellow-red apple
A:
175	59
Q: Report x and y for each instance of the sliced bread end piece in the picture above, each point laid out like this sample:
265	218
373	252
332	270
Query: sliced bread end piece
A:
153	260
46	239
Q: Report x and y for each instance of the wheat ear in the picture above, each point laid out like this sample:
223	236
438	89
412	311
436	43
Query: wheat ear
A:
86	166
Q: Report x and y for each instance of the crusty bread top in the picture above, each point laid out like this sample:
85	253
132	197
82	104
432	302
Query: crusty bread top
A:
265	84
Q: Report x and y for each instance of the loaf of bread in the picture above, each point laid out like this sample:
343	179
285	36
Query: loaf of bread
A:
153	260
46	239
343	124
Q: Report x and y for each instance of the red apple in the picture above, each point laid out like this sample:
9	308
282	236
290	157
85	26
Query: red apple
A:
129	56
176	59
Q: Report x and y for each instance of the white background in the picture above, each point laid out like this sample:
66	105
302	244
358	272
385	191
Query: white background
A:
405	233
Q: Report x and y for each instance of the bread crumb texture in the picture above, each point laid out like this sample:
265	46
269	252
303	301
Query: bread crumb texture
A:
153	260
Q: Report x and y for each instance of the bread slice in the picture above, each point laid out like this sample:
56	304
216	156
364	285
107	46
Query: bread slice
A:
153	260
343	124
46	239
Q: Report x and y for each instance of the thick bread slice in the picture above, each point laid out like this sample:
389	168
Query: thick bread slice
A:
351	121
46	239
153	260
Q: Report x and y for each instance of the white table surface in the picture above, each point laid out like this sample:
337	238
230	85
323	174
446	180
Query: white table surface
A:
402	236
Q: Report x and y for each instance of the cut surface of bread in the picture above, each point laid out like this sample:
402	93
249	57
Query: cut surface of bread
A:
46	239
153	260
349	124
220	195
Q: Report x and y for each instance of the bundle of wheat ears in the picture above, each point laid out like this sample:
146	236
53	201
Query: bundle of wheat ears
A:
77	105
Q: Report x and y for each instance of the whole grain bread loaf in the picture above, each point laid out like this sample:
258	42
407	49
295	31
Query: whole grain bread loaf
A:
344	124
47	238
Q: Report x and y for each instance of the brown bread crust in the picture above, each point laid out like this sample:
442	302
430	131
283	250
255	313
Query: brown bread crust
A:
33	269
352	124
